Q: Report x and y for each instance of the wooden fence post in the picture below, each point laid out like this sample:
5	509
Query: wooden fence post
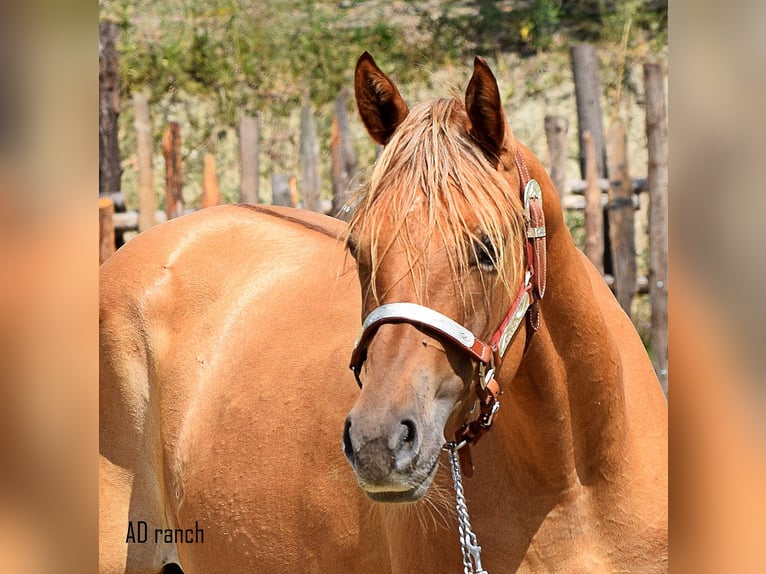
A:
556	129
171	149
621	218
292	183
211	194
343	158
588	97
281	190
594	212
309	158
657	147
147	199
109	168
249	160
105	229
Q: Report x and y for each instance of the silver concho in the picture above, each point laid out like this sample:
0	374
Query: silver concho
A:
532	191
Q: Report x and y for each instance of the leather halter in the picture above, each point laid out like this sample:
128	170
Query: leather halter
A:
487	355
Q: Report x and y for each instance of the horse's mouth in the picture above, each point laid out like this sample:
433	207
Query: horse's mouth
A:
398	497
403	495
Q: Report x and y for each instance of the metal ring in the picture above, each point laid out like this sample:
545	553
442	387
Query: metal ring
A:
455	445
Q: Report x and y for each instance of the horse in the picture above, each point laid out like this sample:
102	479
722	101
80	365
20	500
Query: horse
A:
235	437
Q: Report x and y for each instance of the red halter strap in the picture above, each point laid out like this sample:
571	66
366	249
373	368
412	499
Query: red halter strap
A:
525	304
488	356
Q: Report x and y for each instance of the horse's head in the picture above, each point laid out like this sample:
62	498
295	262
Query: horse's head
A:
440	227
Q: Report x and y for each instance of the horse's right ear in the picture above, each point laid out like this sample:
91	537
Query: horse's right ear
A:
380	104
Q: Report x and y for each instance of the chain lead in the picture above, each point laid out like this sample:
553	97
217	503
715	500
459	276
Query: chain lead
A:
468	543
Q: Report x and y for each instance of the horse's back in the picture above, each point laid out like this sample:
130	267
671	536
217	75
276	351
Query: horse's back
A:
225	336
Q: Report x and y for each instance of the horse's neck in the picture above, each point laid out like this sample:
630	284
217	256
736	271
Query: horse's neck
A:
574	368
567	398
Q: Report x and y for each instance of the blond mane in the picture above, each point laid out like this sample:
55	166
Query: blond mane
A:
432	159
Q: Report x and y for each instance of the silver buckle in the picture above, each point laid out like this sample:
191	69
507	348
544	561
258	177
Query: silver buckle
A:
536	232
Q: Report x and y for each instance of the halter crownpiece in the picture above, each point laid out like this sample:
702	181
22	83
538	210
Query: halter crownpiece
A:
487	355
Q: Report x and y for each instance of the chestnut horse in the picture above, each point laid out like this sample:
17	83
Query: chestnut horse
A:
225	344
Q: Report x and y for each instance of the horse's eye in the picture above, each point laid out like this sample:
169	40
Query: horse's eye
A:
352	247
486	256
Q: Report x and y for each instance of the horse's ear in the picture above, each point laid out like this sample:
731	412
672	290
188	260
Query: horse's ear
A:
485	111
380	104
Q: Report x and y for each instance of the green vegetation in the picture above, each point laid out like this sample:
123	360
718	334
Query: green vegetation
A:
531	26
249	56
208	63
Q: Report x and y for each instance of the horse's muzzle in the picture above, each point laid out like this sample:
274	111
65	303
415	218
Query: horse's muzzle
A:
386	459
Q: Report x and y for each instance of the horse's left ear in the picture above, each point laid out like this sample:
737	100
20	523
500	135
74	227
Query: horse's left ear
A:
485	111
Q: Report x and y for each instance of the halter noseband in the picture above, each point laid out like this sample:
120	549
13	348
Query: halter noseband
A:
487	355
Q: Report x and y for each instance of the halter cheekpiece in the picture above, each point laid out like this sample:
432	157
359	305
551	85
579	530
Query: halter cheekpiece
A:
487	355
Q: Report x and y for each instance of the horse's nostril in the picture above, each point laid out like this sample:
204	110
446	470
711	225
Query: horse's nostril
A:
348	448
409	433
